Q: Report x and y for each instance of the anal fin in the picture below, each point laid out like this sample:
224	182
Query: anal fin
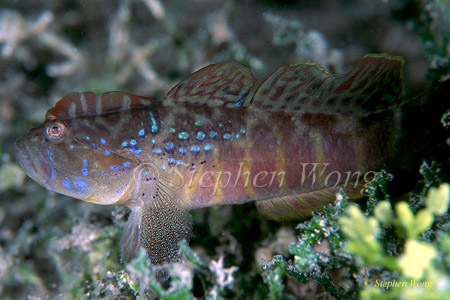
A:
299	206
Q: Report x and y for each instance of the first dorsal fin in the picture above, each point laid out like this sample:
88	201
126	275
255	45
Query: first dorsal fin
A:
88	103
373	85
217	84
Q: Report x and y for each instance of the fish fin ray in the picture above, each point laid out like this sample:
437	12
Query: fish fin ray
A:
88	103
129	243
164	223
216	84
300	206
373	85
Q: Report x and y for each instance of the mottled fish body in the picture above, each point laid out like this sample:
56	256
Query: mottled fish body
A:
215	139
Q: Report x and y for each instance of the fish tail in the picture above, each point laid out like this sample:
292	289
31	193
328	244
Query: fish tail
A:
423	135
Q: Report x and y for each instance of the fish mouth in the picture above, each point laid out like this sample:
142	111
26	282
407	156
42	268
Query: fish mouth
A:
27	160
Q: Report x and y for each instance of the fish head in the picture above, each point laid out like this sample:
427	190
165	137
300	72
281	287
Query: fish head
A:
82	156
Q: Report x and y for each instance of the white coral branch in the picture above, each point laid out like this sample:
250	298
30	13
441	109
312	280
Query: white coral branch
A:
224	276
14	30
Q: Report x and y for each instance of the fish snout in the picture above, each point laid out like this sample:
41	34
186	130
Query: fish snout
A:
27	159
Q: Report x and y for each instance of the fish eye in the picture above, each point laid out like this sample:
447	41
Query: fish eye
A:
55	131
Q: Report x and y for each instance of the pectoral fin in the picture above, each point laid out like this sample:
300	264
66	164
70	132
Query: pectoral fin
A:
157	227
130	237
159	219
163	225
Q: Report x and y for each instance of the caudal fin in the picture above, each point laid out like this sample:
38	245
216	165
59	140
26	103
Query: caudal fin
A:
423	135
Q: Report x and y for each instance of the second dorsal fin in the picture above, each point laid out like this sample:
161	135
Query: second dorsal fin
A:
373	85
217	84
88	103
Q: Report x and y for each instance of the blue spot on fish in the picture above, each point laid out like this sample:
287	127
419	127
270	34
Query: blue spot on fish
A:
54	174
136	151
49	154
278	142
226	136
171	160
212	134
114	167
195	148
132	142
126	164
200	135
107	152
103	141
207	147
179	162
141	132
237	135
124	143
154	125
80	185
88	138
168	146
182	150
183	135
157	151
163	167
84	170
145	173
239	102
67	184
153	141
71	147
